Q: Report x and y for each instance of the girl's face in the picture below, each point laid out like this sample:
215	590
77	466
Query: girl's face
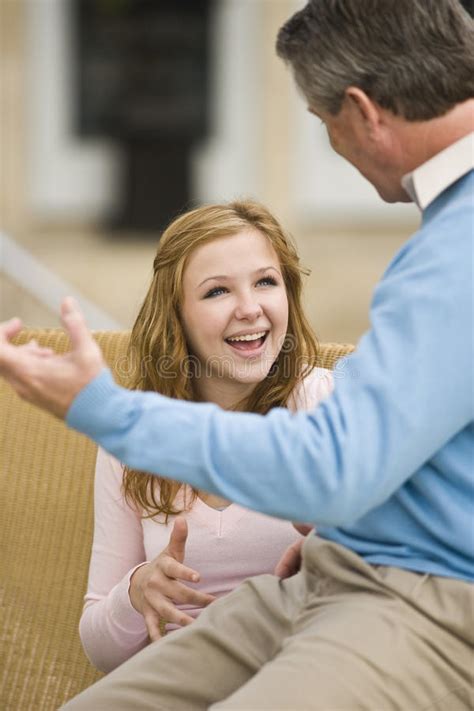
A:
234	313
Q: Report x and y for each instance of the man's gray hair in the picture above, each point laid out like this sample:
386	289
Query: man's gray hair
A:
413	57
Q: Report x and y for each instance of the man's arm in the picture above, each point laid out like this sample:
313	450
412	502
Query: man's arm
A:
398	400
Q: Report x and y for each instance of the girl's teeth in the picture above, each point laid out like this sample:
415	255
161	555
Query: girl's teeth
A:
253	337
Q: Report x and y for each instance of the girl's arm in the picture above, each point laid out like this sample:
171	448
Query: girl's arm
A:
111	630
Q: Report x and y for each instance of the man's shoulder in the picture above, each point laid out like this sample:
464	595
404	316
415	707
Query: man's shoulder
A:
456	203
444	238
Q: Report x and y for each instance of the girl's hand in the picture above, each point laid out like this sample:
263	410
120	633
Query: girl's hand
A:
156	587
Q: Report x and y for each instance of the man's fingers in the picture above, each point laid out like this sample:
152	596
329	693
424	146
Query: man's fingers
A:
290	562
286	569
282	568
10	328
8	354
177	544
75	324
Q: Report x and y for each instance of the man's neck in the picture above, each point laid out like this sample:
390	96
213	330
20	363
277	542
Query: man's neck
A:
421	140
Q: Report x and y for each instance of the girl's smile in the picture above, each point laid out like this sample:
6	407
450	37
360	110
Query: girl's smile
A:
248	344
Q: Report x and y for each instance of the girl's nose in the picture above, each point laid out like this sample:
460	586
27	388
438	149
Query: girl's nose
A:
248	309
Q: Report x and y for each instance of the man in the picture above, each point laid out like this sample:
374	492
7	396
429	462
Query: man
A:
380	616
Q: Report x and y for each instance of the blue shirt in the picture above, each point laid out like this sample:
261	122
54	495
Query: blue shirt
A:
385	466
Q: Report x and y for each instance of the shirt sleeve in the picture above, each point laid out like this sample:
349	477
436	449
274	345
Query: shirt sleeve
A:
110	628
398	399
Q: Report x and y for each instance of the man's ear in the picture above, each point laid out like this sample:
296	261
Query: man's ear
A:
364	109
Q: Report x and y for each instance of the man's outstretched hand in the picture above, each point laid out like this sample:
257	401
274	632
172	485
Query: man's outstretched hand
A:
44	378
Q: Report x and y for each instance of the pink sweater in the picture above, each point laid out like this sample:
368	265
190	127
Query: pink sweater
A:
224	546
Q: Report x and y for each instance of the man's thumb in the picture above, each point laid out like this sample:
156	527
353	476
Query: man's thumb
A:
179	534
74	323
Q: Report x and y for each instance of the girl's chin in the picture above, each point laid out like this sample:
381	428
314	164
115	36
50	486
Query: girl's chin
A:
252	375
253	369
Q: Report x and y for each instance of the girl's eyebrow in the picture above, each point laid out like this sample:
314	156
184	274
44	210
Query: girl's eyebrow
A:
224	277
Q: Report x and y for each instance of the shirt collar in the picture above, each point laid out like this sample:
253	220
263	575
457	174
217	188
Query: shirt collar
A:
430	179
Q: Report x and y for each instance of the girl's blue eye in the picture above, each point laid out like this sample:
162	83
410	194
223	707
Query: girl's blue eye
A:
215	292
218	290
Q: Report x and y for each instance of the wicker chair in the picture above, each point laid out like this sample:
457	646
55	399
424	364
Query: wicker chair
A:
46	484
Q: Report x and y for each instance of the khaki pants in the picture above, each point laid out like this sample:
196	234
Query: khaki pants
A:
341	635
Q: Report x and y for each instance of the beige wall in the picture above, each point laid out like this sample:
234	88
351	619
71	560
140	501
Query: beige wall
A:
14	300
275	124
13	212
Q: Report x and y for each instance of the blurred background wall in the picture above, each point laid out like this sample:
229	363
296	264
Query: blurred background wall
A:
67	219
